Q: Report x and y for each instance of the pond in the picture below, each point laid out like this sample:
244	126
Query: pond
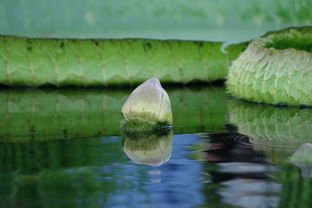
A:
62	148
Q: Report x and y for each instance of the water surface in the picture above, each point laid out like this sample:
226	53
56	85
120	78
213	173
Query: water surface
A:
60	148
202	171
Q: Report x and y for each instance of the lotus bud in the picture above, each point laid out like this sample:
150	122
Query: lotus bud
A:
149	104
149	149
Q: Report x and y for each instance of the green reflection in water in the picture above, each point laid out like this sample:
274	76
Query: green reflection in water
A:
296	188
61	187
271	126
43	115
149	149
75	173
30	158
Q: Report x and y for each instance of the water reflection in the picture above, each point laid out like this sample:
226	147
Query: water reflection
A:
227	171
45	115
270	126
210	170
238	172
280	132
77	173
303	159
152	149
95	172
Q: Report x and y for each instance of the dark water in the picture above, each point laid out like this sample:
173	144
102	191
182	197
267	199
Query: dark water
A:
202	171
56	151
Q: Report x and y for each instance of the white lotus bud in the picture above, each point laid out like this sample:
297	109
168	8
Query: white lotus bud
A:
149	103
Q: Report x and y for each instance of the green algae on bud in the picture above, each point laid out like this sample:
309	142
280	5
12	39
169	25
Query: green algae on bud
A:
275	69
147	107
151	149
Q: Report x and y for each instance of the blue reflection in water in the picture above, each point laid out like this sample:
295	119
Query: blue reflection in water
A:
240	171
173	184
209	171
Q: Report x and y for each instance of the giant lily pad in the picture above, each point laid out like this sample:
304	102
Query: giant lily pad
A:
209	20
275	69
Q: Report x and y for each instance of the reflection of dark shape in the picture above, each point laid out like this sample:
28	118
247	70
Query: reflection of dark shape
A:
227	147
149	148
238	171
231	128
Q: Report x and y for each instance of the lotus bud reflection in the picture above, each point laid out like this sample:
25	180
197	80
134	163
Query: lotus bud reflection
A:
148	149
148	105
303	159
